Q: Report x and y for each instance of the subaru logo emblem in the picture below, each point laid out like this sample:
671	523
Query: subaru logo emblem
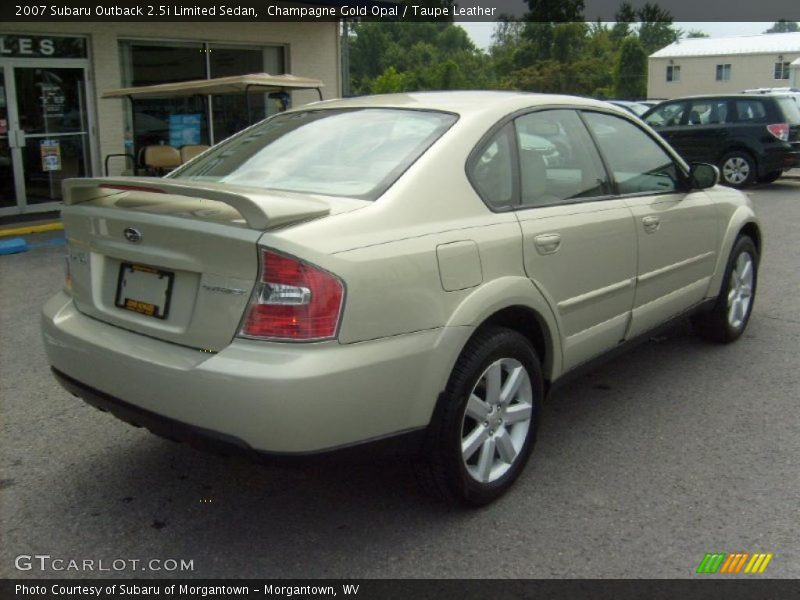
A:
134	236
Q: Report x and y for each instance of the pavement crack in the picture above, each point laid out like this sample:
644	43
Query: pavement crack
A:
782	319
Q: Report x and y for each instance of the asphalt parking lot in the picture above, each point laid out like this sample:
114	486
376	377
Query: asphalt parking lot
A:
655	458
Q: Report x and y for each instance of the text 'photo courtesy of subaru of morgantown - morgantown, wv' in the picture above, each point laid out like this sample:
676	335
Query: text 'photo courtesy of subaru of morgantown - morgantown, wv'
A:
410	271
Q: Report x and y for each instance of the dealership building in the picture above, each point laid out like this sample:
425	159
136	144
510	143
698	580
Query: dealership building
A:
54	124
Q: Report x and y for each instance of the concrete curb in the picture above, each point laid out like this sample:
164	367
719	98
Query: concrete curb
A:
28	229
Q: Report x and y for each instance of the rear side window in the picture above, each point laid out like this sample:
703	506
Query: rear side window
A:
791	110
750	110
638	163
492	170
708	112
666	115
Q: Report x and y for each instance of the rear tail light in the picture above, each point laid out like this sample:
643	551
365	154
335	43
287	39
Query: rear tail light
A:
293	300
780	131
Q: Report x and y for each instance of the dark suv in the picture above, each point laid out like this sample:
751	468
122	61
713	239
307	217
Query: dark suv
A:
750	137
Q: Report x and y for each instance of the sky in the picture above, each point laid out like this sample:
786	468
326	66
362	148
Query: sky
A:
481	33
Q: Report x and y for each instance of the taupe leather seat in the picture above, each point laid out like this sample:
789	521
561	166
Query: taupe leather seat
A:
189	152
161	158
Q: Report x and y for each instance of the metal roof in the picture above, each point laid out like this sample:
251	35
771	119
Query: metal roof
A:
219	85
767	43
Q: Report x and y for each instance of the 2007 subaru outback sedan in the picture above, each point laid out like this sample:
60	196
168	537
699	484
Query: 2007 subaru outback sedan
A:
413	267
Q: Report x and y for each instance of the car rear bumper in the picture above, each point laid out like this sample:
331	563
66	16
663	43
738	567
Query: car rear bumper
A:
268	397
779	160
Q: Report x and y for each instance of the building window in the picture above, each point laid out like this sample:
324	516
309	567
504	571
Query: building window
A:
194	119
673	73
724	72
782	70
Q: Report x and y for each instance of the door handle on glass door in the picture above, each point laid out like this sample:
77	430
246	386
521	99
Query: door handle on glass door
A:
547	243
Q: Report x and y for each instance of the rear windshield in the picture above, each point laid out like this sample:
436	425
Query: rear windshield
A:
355	153
791	109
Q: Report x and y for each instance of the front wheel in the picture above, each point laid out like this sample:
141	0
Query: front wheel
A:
484	428
728	319
738	169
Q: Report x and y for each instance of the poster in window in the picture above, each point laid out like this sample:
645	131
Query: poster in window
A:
184	130
51	155
53	100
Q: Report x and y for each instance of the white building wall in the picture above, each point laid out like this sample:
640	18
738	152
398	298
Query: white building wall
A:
698	74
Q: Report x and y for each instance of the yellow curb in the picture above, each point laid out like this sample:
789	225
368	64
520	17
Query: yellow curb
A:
31	229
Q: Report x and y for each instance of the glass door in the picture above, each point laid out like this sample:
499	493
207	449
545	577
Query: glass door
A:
51	106
45	134
8	192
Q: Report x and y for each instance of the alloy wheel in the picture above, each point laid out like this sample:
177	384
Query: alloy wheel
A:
736	170
740	290
496	420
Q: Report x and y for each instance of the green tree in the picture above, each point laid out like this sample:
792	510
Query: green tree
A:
655	28
630	70
783	26
388	82
553	11
696	33
569	41
506	39
409	56
623	19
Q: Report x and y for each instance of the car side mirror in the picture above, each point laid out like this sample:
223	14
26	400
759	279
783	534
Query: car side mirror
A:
703	176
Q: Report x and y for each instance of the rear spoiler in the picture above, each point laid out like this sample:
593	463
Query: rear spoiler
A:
261	209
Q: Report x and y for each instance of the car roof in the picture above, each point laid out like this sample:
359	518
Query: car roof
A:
734	95
463	103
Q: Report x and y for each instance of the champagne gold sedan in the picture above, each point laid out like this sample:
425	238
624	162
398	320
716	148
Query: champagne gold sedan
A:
410	271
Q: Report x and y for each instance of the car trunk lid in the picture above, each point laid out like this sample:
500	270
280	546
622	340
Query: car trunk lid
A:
173	260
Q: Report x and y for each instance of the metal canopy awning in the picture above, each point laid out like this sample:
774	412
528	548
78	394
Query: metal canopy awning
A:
237	84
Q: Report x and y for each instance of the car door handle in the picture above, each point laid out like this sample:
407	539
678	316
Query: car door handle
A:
547	243
651	224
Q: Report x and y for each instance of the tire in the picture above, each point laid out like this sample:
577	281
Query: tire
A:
728	319
738	169
474	450
770	177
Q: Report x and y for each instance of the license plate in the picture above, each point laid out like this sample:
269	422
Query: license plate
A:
144	290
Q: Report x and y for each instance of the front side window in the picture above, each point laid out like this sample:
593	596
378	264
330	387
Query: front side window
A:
355	153
781	70
558	161
666	115
638	163
708	112
673	73
724	72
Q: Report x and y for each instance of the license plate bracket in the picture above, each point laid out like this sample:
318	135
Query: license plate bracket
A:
144	290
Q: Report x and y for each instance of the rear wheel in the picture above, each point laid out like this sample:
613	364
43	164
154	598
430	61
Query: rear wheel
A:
770	177
738	169
485	425
728	319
